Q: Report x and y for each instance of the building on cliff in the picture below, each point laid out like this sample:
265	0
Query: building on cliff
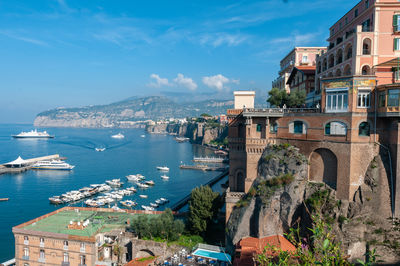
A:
75	236
299	56
358	83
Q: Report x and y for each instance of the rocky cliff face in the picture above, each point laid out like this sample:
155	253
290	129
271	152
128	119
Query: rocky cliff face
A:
281	198
197	132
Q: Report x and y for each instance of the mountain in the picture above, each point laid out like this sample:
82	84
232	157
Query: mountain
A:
128	112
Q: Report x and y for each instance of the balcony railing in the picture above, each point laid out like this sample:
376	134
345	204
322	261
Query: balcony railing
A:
64	263
83	250
396	28
42	260
25	257
41	244
26	242
65	247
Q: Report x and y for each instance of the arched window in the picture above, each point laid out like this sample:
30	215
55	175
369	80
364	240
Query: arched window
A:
259	127
297	127
338	72
339	56
366	46
273	128
349	52
335	129
324	65
364	129
330	75
319	67
366	70
331	60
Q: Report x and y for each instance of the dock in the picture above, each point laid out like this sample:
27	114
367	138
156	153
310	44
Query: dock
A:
29	162
4	199
202	167
210	160
179	205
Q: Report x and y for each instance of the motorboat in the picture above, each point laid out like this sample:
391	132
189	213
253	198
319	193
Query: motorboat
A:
165	177
181	139
128	203
33	134
115	182
163	168
118	136
100	149
141	185
142	136
56	200
143	196
135	178
52	165
149	182
147	208
154	205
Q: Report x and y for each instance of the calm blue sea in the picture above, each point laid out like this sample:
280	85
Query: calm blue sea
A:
29	191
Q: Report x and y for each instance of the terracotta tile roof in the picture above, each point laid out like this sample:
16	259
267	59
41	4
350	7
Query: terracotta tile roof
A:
250	246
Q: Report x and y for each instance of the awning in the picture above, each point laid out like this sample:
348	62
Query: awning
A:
395	62
336	89
18	161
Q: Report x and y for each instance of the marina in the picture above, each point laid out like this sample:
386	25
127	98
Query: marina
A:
210	160
20	165
29	191
202	167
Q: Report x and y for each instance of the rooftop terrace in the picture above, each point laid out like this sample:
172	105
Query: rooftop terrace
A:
100	220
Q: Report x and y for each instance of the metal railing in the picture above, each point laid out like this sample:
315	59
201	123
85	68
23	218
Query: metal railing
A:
282	110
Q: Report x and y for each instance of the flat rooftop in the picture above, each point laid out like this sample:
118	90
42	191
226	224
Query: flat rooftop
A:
100	220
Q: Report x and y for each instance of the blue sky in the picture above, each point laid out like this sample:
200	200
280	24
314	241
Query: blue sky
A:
74	53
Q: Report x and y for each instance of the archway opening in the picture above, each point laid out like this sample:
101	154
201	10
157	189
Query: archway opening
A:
367	46
144	253
366	70
323	167
240	182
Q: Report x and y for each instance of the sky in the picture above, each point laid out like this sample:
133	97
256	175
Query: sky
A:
72	53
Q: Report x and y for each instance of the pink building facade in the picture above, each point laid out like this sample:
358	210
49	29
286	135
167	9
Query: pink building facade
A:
299	56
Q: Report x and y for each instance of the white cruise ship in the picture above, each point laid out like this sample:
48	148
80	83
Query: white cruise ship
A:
53	165
33	134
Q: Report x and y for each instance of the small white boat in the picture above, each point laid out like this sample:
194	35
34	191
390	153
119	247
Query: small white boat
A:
143	196
142	136
135	178
56	200
118	136
163	168
115	182
115	207
100	149
147	208
149	182
165	177
128	203
141	185
154	205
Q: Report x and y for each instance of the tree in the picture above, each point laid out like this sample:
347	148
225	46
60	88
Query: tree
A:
277	97
203	206
297	99
205	115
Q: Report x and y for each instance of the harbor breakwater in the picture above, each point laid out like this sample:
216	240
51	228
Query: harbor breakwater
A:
198	132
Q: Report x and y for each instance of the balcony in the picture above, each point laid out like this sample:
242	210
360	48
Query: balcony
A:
41	244
25	257
83	250
65	247
65	263
42	260
26	242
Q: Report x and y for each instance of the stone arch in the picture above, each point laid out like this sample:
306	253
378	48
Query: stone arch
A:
339	56
347	70
143	253
330	75
323	167
366	46
331	60
366	70
325	65
240	180
338	72
319	67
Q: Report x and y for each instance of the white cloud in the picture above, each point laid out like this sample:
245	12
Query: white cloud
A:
219	39
158	81
218	82
185	82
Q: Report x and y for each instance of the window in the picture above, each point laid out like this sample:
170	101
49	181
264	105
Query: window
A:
66	257
336	101
305	59
382	99
396	44
356	13
273	128
83	247
258	127
335	128
393	98
298	127
396	22
83	259
363	129
41	255
366	3
26	252
363	99
366	25
346	20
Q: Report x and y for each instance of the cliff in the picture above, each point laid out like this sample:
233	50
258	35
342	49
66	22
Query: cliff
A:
198	132
128	113
282	198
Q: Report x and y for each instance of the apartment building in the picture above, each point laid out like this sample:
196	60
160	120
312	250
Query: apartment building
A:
299	56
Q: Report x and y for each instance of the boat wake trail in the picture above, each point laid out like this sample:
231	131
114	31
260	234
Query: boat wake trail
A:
82	145
118	146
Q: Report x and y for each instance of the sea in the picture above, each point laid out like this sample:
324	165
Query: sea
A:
137	153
